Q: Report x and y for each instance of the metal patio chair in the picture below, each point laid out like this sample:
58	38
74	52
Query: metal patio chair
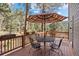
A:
56	48
35	45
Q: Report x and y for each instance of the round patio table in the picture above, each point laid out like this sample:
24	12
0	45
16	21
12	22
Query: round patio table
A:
45	39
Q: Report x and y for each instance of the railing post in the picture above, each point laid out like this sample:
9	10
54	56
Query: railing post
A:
23	41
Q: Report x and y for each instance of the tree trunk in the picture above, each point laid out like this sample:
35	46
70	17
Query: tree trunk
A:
26	18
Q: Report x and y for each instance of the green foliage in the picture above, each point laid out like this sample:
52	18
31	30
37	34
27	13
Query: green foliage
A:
4	9
59	26
52	26
13	20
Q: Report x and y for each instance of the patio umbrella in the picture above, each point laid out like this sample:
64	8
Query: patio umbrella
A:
46	18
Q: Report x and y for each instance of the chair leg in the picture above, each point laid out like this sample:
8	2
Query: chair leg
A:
50	51
41	52
37	51
61	52
57	52
30	52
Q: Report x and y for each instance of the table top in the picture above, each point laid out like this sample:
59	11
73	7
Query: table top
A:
45	39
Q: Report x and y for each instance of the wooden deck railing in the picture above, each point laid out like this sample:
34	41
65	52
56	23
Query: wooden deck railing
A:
10	43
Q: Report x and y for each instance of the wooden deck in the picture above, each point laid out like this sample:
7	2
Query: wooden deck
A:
29	51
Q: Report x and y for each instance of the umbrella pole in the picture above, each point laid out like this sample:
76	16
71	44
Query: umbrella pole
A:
44	38
42	27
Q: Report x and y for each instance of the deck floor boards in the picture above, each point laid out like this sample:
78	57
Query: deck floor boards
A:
29	51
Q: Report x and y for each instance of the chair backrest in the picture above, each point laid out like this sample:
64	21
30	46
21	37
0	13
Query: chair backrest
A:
60	43
31	40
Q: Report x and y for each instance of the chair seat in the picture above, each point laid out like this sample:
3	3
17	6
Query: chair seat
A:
36	45
54	46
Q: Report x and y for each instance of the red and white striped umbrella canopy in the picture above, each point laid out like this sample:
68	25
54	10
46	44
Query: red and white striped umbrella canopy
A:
47	18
